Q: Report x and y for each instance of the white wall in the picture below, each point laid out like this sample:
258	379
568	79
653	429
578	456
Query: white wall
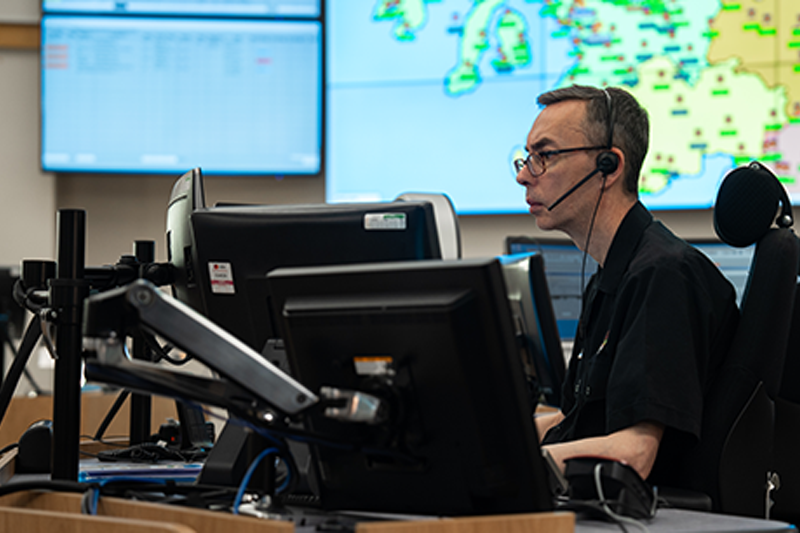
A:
27	195
19	11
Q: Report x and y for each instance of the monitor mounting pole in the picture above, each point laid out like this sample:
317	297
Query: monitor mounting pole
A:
141	404
67	292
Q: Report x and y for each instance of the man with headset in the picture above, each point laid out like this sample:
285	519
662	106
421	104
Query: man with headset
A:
657	317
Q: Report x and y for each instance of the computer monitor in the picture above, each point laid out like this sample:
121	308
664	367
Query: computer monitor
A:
734	263
435	341
535	323
563	263
188	8
160	94
224	253
187	196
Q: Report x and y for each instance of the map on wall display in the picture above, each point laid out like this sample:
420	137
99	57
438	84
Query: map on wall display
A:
439	95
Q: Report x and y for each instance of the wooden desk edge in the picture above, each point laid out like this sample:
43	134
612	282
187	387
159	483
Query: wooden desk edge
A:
203	521
16	519
555	522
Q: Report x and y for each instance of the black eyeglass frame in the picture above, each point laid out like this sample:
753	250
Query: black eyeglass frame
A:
528	161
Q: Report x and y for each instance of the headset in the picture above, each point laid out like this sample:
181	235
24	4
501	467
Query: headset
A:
607	161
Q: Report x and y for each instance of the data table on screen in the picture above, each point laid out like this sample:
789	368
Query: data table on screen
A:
146	94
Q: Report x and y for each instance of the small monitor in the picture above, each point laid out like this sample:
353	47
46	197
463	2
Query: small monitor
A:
224	253
187	197
434	341
734	263
563	263
535	323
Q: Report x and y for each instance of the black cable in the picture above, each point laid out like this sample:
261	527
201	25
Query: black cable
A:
589	234
278	436
586	252
123	395
29	341
35	386
5	449
163	351
29	299
616	515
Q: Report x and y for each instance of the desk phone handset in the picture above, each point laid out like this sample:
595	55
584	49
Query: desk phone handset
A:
606	482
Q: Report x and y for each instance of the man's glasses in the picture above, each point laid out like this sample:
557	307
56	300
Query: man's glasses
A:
536	160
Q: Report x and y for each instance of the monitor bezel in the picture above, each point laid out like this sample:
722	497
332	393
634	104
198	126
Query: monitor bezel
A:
494	393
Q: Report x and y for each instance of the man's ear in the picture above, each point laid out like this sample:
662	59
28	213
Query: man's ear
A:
617	175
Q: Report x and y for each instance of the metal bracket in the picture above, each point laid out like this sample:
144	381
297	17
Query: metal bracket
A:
773	484
353	406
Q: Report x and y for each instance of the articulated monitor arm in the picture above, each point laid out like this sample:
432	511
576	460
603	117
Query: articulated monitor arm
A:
252	384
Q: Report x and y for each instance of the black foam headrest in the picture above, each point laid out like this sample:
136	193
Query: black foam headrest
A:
747	201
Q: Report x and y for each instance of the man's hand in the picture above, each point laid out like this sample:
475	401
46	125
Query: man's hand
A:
637	446
544	421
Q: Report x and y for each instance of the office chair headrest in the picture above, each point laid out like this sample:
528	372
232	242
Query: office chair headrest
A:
746	204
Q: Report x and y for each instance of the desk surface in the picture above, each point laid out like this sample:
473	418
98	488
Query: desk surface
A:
678	520
666	520
672	520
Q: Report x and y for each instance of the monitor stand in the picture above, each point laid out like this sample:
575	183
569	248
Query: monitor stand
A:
237	447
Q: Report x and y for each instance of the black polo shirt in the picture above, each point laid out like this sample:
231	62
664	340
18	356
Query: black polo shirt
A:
656	321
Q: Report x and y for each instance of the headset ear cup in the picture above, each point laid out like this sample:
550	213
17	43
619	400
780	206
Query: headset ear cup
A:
607	162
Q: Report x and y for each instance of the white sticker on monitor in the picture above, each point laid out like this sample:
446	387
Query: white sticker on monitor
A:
380	365
385	221
221	275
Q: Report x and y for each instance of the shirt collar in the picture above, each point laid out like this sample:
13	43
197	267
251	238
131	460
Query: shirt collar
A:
623	247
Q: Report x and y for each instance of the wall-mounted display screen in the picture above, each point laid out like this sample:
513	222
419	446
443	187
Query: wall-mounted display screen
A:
147	94
440	96
563	264
242	8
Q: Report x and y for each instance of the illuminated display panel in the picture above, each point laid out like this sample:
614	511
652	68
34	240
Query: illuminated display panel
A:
440	96
242	8
145	94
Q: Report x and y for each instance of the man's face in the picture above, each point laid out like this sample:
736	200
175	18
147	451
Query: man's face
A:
560	126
